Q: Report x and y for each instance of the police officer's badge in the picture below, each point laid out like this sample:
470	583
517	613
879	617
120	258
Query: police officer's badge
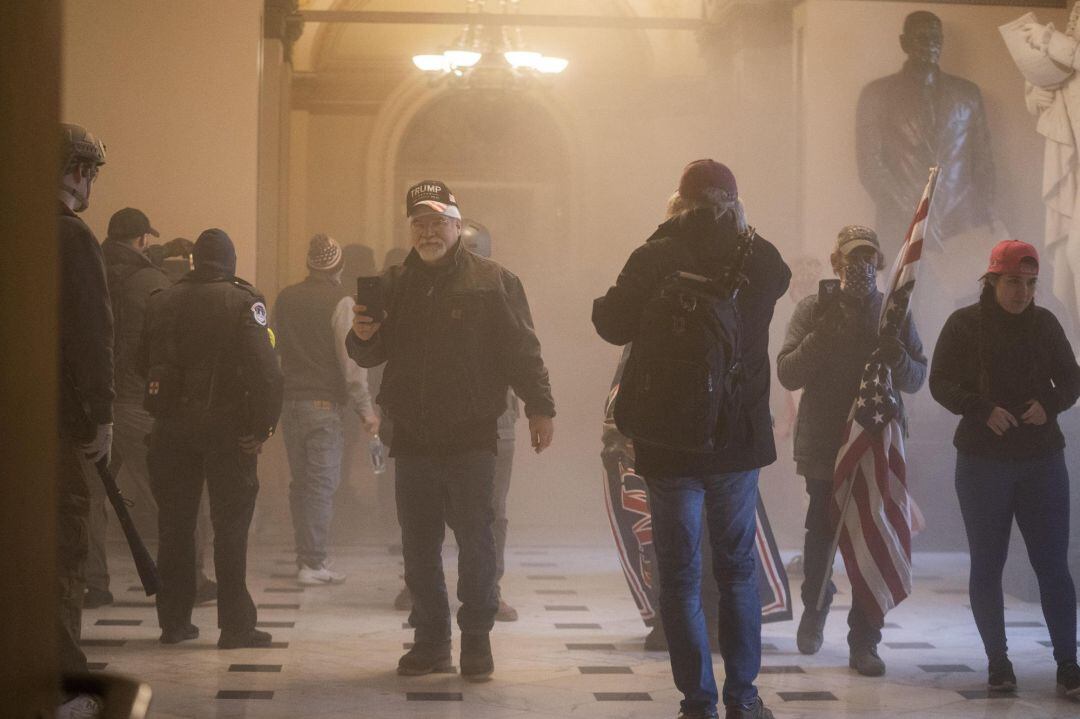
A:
258	311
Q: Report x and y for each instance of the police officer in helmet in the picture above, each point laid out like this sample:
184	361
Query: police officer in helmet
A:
215	390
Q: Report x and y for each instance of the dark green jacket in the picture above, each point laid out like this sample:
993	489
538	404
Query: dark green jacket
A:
455	337
827	364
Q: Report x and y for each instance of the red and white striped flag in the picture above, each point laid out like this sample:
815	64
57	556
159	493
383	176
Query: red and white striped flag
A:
873	509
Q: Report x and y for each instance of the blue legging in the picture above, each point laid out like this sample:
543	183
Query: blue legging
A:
1036	493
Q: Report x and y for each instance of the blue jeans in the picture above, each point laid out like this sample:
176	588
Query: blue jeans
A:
1036	493
433	492
314	443
730	508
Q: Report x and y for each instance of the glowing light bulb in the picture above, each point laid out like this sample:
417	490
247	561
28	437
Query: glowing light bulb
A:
431	63
522	58
551	65
462	58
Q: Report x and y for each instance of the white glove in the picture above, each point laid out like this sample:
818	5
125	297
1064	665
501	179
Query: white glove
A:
99	447
1038	98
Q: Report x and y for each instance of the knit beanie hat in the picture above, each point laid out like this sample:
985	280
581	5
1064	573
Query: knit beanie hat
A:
214	253
324	253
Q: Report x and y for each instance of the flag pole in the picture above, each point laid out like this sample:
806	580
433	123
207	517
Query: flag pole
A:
835	543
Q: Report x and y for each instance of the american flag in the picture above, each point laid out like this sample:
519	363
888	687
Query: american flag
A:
873	510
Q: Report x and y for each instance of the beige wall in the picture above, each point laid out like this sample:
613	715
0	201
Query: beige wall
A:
172	89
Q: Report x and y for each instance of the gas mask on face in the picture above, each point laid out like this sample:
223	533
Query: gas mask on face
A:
860	277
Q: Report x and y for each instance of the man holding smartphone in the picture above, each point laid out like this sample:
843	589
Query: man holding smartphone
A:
830	338
455	331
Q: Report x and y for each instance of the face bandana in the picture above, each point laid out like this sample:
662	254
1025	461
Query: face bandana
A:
860	278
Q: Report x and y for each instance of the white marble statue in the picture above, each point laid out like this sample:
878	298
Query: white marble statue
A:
1057	108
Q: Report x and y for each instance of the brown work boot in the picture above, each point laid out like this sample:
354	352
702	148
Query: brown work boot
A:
477	664
425	658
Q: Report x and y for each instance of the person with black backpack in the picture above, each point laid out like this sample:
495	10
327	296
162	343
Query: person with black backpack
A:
696	301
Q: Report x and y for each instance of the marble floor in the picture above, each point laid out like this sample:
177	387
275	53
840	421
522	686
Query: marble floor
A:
575	652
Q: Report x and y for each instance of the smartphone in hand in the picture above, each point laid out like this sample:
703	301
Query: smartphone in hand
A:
369	293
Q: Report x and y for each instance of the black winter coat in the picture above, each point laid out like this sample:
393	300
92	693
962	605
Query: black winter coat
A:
987	357
455	337
132	279
211	331
617	316
827	363
86	331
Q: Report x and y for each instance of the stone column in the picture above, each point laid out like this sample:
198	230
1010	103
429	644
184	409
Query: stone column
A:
281	29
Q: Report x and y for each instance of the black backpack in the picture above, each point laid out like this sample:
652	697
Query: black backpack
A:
681	386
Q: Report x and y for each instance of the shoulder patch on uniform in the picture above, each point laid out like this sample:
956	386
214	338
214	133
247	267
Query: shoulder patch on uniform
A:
258	311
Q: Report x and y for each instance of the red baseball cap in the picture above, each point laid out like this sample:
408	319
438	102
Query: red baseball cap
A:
1007	258
702	175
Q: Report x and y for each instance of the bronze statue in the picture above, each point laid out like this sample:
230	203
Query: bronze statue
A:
920	117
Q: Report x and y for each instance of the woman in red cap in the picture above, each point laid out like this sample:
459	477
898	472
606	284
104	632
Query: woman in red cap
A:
1005	366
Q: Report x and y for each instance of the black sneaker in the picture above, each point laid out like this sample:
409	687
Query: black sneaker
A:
1068	680
425	658
1001	677
698	714
95	598
175	635
811	631
253	639
865	660
754	710
477	664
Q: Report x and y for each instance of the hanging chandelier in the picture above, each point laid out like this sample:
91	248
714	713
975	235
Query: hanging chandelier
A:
489	57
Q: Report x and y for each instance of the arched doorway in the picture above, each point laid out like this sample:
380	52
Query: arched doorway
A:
504	156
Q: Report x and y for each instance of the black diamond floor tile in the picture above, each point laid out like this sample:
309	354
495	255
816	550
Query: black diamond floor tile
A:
96	666
278	645
605	670
909	645
284	590
945	668
891	625
768	647
1024	625
244	694
278	606
577	625
841	607
807	696
276	625
781	669
132	605
566	608
1051	644
622	696
591	647
434	696
556	592
406	625
102	642
269	668
118	623
984	694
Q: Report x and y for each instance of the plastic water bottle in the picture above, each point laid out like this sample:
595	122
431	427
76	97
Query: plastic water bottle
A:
377	450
